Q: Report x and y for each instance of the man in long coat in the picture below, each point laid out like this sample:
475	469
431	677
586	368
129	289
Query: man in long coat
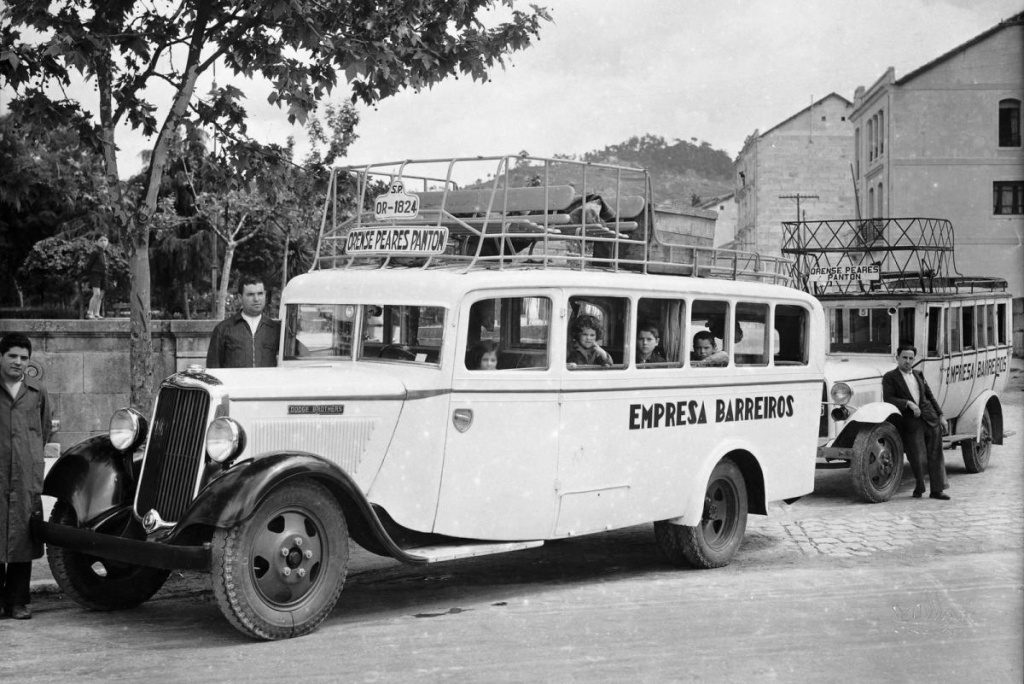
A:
24	431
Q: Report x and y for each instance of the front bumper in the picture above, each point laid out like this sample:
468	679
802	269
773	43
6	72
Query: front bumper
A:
132	551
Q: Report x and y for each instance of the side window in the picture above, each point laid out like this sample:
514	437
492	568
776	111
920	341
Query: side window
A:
509	333
1001	325
953	316
905	326
752	334
790	336
934	331
597	332
660	329
979	337
991	337
708	339
968	328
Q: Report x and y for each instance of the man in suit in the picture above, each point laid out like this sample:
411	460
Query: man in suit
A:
923	424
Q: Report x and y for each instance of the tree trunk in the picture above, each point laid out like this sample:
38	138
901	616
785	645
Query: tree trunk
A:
140	333
225	276
186	309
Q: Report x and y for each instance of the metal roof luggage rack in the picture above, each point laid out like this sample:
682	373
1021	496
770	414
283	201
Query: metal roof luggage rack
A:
527	212
878	256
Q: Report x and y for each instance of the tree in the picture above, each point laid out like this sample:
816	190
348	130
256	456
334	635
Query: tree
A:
303	49
51	184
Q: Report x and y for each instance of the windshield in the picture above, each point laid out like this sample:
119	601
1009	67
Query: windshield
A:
863	330
403	333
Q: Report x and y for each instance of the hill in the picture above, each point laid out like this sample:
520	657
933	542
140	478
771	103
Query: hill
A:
679	170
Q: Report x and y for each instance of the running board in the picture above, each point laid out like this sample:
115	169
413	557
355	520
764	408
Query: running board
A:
446	552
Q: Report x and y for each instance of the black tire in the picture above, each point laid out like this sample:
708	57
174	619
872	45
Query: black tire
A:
977	452
267	594
97	583
713	542
877	466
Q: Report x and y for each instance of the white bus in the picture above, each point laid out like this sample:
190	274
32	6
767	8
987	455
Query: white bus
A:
884	282
465	372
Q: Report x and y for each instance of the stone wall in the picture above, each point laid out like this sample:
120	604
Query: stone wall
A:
84	365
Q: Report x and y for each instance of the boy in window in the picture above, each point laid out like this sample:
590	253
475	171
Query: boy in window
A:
648	337
706	352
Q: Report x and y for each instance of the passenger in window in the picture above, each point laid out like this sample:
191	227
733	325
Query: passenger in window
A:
648	337
706	351
483	356
586	333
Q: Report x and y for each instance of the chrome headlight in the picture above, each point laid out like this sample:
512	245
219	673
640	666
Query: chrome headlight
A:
841	393
225	439
127	426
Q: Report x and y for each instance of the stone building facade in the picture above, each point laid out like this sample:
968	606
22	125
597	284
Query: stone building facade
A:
944	141
808	154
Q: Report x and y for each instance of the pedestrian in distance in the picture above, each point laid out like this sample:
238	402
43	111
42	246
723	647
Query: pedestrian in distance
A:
922	425
96	269
24	431
249	338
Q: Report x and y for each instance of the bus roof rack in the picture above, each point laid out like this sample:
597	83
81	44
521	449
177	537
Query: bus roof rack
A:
526	213
878	256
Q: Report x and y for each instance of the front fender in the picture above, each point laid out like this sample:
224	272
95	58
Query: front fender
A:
873	413
970	420
92	477
234	496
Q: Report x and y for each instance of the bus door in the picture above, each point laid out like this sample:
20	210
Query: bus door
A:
936	360
597	463
502	438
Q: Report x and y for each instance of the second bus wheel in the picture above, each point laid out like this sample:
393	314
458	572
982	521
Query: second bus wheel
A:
877	465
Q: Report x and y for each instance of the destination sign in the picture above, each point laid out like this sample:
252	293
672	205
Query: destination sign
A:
405	240
396	203
844	274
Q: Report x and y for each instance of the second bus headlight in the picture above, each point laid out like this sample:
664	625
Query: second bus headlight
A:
225	439
841	393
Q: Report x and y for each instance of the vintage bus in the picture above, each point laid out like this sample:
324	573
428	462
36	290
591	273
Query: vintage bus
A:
464	371
884	282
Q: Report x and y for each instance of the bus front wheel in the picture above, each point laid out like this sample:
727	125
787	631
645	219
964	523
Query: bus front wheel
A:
877	465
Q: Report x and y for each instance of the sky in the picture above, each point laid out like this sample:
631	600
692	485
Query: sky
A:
606	70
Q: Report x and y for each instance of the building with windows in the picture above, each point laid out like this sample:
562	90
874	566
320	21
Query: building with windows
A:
801	164
944	141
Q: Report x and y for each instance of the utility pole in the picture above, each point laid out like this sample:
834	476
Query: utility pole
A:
798	196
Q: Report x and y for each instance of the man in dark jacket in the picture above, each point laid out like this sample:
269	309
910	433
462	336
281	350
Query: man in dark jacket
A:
24	431
923	424
248	339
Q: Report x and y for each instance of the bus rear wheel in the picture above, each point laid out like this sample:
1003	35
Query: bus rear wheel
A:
877	465
976	452
713	542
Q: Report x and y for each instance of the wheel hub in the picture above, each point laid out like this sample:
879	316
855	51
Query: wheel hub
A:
287	557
